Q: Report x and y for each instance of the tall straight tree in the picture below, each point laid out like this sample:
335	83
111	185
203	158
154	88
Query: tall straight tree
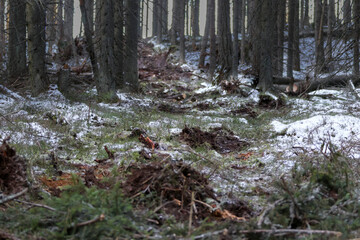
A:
347	13
296	37
17	39
132	18
195	13
205	38
254	30
60	20
89	5
164	16
119	43
50	24
156	17
306	19
175	25
68	19
212	34
235	56
331	23
105	83
281	37
182	30
319	36
356	36
2	31
243	30
290	59
224	37
36	21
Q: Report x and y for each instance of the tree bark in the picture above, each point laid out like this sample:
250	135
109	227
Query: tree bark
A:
254	29
175	25
331	23
89	5
296	37
119	43
69	19
356	36
212	34
17	39
243	31
205	38
235	55
347	13
156	17
2	32
131	73
266	41
182	30
306	22
50	24
319	36
195	13
60	20
281	36
290	60
36	20
224	39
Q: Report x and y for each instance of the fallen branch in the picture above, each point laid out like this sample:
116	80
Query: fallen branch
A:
12	197
353	89
99	218
268	209
292	231
37	205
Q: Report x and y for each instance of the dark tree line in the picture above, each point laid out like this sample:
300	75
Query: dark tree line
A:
29	30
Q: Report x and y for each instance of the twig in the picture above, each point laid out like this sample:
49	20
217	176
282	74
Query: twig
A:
205	204
100	218
12	197
191	212
353	89
163	205
37	205
292	231
268	209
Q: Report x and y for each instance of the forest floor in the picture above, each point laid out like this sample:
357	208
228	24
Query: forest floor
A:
183	159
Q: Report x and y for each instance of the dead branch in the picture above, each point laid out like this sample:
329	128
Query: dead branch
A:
37	205
291	231
268	209
99	218
353	89
12	197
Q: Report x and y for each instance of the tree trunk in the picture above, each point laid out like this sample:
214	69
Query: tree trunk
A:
243	30
281	37
175	25
156	17
290	59
306	22
235	55
224	37
182	30
331	24
89	5
17	39
36	20
347	13
119	43
69	20
254	29
212	34
205	38
319	36
131	73
296	37
159	29
2	32
147	19
356	36
164	10
195	12
59	20
50	24
275	50
266	41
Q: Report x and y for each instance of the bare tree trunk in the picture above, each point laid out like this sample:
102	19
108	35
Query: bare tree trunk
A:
89	5
2	32
243	30
164	13
36	20
235	55
119	43
296	37
50	24
254	29
347	13
205	38
306	14
290	59
319	36
17	39
331	23
275	50
182	30
147	19
159	29
156	17
224	36
356	36
281	37
105	84
175	26
131	73
266	38
69	19
59	20
212	65
195	13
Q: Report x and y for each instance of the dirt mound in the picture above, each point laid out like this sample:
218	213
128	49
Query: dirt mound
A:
12	170
223	141
174	184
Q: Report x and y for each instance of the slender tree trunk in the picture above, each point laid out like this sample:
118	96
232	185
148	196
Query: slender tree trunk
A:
296	37
182	30
235	56
156	17
290	59
205	38
224	36
243	30
36	20
147	18
347	13
60	21
319	36
331	23
356	36
275	50
105	84
195	12
281	28
306	22
131	73
302	9
164	10
2	32
69	19
17	39
50	24
254	28
175	20
89	5
159	29
119	43
267	20
187	25
213	48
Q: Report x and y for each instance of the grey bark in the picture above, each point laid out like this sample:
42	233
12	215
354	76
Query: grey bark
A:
182	30
347	13
36	20
266	38
275	49
60	20
235	55
2	31
131	73
156	17
296	37
175	20
319	36
68	19
164	13
195	13
50	24
254	29
89	5
205	38
105	83
281	36
243	29
291	22
356	36
17	39
212	34
331	23
306	14
119	43
224	39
